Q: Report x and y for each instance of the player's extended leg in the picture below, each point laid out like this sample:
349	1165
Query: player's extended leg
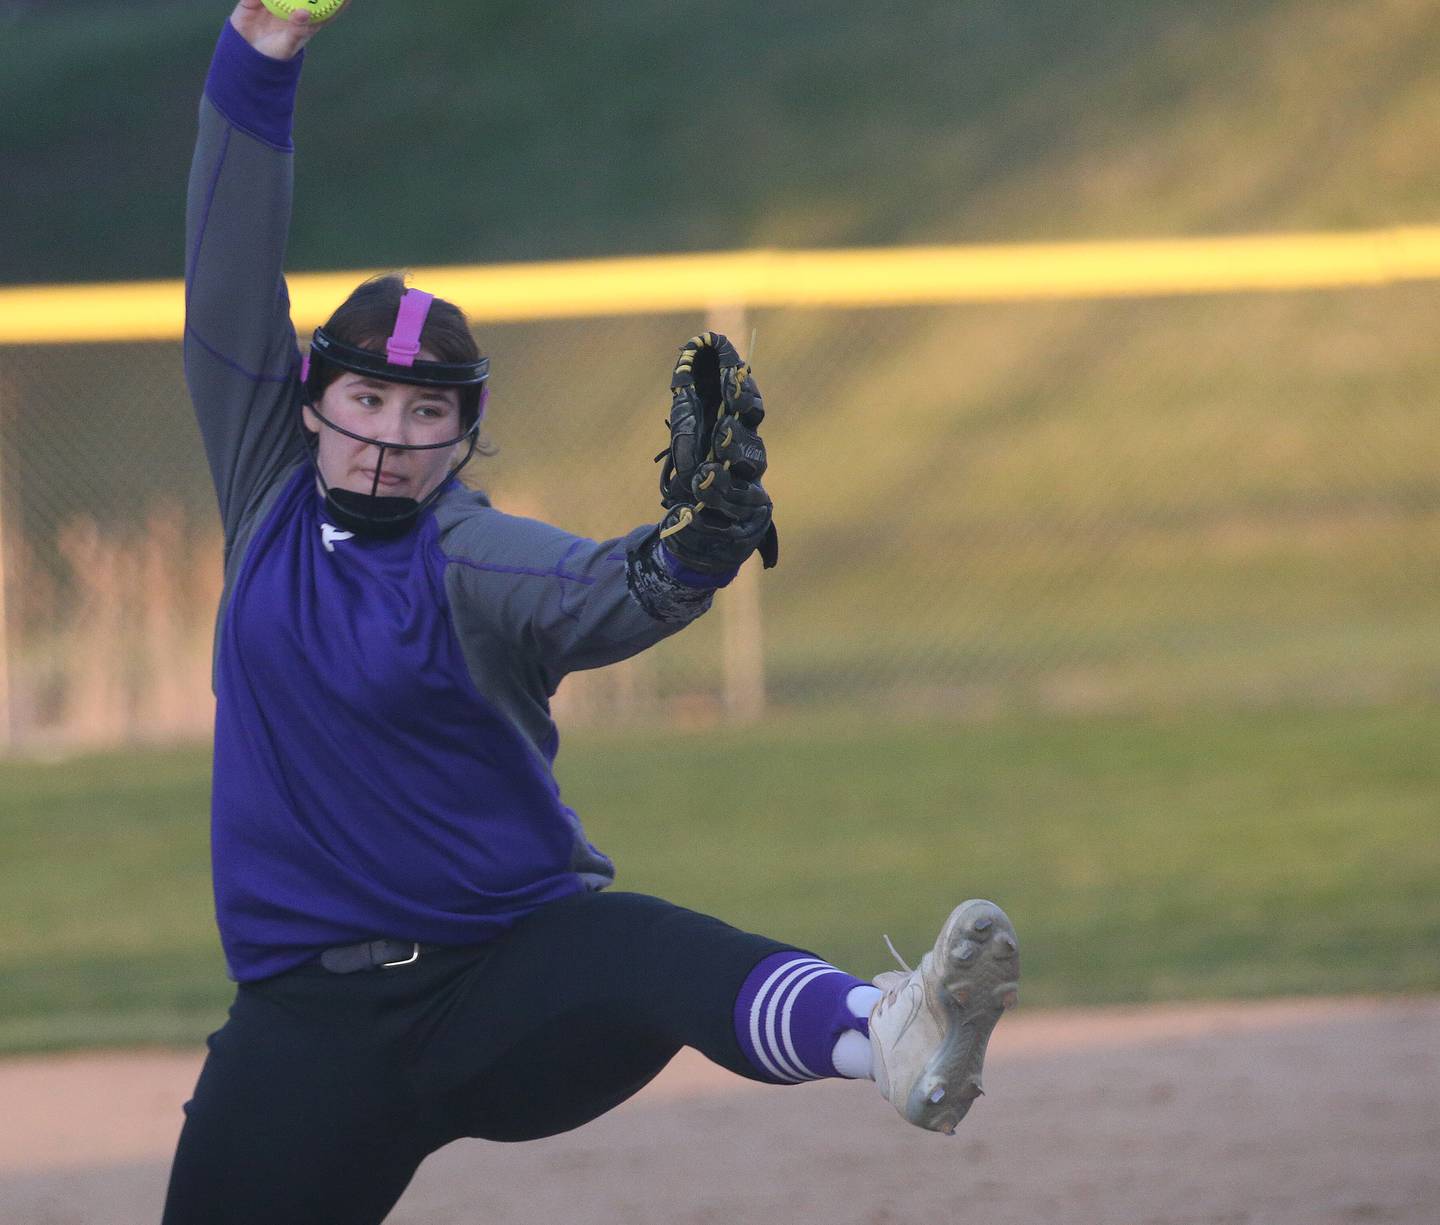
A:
587	999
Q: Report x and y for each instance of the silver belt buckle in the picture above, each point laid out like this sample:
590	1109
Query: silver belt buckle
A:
405	961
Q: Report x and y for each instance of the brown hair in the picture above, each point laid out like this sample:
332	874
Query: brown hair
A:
367	317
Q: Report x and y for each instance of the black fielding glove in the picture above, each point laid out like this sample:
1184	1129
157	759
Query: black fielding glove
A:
718	512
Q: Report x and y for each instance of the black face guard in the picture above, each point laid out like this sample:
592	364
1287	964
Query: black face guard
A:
368	513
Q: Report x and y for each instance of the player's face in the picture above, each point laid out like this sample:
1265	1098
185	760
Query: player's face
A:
396	413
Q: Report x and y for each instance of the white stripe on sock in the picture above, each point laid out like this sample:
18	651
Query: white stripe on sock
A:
795	970
785	1018
757	1007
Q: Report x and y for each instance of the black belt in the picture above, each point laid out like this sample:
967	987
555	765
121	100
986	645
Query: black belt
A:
374	955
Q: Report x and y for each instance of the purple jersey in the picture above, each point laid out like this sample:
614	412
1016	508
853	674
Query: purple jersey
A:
383	742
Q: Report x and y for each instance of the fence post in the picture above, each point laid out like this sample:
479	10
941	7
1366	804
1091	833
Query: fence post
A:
742	632
7	731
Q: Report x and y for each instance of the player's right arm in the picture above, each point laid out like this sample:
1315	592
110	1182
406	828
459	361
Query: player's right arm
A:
241	361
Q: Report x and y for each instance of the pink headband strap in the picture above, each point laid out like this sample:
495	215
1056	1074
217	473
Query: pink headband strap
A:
403	347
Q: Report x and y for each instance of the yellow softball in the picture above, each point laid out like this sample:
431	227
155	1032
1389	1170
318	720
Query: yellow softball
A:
319	10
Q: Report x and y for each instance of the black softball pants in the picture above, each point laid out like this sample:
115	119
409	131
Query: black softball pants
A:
322	1093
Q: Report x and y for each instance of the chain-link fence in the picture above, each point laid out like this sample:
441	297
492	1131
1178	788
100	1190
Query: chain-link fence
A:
1128	504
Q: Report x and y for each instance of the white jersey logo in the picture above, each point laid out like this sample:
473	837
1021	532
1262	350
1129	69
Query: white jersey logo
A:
329	534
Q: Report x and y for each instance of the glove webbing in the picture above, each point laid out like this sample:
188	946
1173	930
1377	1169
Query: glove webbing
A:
685	366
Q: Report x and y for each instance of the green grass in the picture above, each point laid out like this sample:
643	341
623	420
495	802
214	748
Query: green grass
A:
1215	854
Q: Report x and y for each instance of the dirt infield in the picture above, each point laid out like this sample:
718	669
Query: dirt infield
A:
1284	1113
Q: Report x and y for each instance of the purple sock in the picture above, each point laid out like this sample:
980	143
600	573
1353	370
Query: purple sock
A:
789	1014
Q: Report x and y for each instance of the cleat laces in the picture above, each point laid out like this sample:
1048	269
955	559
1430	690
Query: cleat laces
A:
891	946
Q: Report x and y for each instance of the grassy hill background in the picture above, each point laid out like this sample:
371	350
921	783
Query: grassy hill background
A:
449	131
1078	503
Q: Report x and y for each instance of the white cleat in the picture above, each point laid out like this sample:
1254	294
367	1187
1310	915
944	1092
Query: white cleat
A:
929	1030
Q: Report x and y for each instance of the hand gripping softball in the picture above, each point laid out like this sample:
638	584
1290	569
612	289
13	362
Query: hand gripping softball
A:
718	511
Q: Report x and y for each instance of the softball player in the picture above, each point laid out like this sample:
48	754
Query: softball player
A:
420	933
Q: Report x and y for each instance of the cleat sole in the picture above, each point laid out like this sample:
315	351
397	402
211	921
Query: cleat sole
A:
979	983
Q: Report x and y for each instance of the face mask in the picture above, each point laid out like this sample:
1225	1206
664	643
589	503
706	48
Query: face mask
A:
370	513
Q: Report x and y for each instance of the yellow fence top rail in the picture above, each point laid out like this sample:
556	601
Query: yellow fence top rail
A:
896	276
